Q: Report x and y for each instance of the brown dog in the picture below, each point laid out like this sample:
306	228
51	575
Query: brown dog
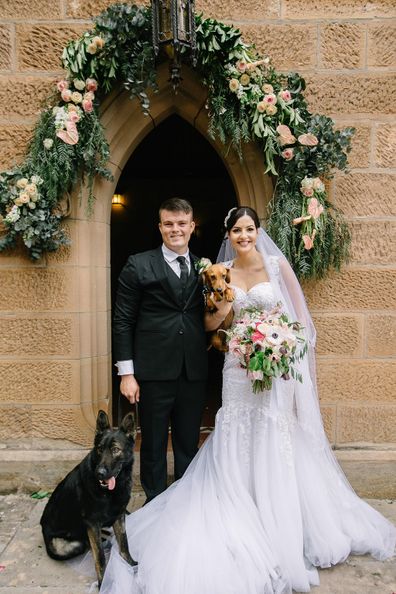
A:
215	279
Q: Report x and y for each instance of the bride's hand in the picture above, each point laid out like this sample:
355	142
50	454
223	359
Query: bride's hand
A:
214	320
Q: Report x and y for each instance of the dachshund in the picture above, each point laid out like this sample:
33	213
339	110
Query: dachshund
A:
215	279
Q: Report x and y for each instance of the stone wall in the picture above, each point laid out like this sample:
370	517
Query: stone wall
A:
53	318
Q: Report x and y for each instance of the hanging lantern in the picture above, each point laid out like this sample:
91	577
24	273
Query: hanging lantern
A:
174	29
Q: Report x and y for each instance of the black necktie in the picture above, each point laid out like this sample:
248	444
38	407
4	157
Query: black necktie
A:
183	271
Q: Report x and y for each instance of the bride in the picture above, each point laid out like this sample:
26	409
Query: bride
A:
264	502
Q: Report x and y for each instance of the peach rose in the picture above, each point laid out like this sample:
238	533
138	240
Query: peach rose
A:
22	182
285	95
89	96
285	135
271	109
309	241
76	97
288	154
66	95
92	48
24	198
308	140
91	84
31	189
87	105
314	208
62	85
241	65
307	191
244	80
72	107
266	88
234	85
18	201
261	107
98	41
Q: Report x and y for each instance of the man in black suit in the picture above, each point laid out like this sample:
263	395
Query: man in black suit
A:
160	347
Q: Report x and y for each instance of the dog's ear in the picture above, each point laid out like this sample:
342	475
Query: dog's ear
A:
128	425
228	276
102	422
205	278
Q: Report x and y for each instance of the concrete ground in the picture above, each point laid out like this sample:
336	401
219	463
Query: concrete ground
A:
26	569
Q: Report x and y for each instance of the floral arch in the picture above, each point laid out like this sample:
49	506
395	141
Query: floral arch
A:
250	110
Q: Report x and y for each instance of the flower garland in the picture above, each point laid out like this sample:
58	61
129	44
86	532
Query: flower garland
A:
247	101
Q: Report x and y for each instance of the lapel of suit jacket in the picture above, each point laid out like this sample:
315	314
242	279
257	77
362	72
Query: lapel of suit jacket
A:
158	265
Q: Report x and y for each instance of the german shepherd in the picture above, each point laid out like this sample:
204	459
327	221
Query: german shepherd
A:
93	495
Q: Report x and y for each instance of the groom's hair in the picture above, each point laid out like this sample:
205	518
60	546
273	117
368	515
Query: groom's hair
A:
176	204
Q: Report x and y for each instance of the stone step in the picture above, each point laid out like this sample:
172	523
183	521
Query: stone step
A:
34	465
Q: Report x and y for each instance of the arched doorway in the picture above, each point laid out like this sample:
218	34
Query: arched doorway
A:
126	127
174	159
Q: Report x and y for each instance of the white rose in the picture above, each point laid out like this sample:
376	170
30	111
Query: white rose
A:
48	142
22	183
76	97
79	84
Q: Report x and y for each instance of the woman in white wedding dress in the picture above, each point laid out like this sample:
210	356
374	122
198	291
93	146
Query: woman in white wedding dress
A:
264	502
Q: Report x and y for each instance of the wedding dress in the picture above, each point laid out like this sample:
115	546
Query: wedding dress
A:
259	508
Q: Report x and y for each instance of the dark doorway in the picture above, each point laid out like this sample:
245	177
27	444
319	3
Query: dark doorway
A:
173	160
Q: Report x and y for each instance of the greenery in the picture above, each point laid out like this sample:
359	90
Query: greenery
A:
248	101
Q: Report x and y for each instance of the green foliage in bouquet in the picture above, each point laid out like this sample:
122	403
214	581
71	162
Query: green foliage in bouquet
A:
248	101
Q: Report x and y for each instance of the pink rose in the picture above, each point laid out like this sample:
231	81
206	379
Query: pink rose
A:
285	95
74	117
270	99
308	140
87	105
314	208
257	336
288	154
66	95
307	191
91	84
62	85
241	65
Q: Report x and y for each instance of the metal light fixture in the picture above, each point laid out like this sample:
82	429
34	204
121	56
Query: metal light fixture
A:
174	29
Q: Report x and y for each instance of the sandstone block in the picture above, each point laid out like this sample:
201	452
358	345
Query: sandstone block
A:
61	423
339	334
353	289
39	47
350	94
30	9
23	96
366	194
363	381
385	145
342	45
15	421
36	336
369	424
235	11
312	9
373	242
289	46
25	289
382	45
381	335
329	421
80	9
13	144
5	48
360	146
36	382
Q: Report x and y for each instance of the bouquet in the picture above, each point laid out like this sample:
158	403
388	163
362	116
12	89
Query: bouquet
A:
267	345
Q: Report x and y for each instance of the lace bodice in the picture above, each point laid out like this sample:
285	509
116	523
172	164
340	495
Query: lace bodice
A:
260	296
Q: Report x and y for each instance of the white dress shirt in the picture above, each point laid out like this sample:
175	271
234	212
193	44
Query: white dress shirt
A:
127	367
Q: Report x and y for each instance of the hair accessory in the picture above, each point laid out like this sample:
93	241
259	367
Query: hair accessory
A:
228	215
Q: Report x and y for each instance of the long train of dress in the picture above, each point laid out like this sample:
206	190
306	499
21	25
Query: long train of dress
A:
258	509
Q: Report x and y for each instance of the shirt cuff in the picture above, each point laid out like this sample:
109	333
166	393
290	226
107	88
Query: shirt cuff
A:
125	367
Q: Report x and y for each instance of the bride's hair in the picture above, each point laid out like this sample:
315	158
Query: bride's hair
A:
238	212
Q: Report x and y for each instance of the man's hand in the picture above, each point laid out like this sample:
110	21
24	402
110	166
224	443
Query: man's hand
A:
130	388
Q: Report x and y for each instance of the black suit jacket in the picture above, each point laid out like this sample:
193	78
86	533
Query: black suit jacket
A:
152	327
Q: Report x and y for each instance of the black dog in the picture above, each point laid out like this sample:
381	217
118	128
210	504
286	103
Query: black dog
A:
93	495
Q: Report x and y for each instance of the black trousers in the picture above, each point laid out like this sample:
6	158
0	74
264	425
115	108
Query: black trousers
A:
179	403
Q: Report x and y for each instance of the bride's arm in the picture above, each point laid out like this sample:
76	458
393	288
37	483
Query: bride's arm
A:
213	320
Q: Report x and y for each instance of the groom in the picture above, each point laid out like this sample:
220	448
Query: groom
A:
160	348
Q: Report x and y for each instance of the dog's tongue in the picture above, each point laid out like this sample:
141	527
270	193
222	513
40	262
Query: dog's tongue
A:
111	483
